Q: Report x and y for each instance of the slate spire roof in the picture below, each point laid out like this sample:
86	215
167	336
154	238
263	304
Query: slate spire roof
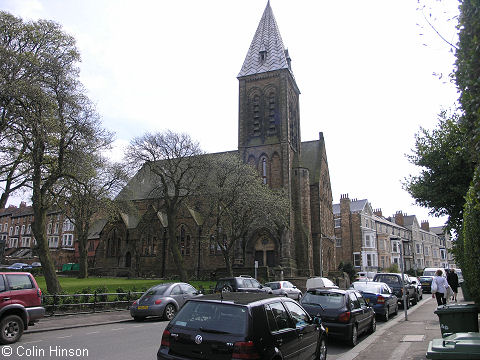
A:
266	52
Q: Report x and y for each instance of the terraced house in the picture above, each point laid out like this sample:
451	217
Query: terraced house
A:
269	140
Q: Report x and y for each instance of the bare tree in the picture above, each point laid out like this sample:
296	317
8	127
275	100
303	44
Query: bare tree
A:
239	203
171	165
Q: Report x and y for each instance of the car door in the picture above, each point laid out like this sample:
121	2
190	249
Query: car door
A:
306	330
4	293
188	292
368	312
256	286
178	295
357	312
285	336
391	299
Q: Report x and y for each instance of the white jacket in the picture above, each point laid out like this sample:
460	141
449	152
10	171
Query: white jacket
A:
442	284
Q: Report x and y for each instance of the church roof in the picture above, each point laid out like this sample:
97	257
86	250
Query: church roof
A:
266	52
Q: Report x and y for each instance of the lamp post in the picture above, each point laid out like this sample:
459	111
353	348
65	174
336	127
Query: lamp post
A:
405	297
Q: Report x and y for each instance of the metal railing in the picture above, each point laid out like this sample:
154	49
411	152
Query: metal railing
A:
68	304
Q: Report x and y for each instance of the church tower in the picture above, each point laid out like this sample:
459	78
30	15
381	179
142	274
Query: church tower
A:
269	134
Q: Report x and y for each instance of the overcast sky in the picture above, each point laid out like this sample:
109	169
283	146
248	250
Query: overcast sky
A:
365	69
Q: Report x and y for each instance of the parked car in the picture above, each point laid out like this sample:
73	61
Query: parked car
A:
345	313
20	305
426	283
365	275
36	265
285	288
432	271
418	287
19	266
379	296
242	283
162	300
243	326
320	282
394	280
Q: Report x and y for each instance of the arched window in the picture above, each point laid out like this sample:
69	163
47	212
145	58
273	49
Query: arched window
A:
264	170
184	241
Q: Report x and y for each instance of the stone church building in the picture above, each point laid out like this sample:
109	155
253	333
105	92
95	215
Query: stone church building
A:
269	140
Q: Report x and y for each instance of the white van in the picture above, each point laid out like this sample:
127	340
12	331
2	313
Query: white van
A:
433	271
320	282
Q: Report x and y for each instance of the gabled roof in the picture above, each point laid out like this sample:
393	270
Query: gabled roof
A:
266	52
96	229
355	206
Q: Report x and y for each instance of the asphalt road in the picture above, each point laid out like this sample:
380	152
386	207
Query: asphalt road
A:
119	341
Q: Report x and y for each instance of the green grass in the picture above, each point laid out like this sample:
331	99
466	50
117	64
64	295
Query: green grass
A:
72	285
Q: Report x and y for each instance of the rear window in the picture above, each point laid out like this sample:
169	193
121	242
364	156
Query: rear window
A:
273	285
328	300
212	317
389	279
222	283
429	272
157	290
425	278
367	287
19	281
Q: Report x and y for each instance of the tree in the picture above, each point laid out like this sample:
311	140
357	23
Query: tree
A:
48	114
172	165
447	169
88	197
239	202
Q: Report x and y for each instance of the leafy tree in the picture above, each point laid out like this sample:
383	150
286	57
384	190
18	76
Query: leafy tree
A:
171	163
48	115
239	203
446	166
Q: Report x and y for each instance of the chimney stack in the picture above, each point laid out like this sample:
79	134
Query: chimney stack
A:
399	218
425	225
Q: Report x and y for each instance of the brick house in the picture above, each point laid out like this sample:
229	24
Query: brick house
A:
269	140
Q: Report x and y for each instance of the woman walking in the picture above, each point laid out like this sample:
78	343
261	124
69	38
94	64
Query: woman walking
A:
439	288
452	279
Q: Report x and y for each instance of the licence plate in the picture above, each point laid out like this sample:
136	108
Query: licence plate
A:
425	283
144	307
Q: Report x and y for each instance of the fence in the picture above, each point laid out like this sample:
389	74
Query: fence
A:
68	304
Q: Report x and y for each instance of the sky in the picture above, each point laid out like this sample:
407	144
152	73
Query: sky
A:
371	73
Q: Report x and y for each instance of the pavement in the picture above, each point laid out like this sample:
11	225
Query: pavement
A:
398	339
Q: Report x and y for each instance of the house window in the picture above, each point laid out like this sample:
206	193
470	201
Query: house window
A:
23	230
338	242
68	225
29	228
338	222
357	260
25	242
49	228
0	227
56	228
395	247
5	227
184	242
67	240
11	231
16	229
369	241
371	260
53	241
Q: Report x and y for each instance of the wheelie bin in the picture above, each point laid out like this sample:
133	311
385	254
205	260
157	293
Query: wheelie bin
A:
460	346
457	318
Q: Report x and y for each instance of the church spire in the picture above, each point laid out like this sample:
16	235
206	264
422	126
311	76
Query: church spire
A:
266	52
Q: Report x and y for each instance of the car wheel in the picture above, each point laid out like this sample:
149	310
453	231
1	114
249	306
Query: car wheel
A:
387	314
373	326
11	329
169	312
354	336
138	318
322	350
414	300
227	288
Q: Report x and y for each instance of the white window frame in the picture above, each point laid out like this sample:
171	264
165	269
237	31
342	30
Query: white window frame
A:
357	258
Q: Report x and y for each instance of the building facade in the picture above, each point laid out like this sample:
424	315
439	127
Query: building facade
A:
269	140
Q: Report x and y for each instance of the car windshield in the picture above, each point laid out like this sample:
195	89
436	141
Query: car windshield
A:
273	285
328	300
389	279
367	287
157	290
425	278
212	317
429	272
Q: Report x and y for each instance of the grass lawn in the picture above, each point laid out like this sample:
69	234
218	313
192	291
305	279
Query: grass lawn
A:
72	285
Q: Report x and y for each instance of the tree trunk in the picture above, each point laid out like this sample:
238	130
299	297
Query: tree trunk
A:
177	256
83	254
48	267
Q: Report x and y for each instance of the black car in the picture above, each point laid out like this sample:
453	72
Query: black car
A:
242	283
345	313
394	280
243	326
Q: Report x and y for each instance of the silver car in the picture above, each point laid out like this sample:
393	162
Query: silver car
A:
162	300
285	288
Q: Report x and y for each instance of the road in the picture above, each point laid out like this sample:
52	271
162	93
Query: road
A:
127	340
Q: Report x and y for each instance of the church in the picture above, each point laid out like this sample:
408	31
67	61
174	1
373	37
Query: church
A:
269	140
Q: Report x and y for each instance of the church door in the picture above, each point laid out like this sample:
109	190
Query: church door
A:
265	251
